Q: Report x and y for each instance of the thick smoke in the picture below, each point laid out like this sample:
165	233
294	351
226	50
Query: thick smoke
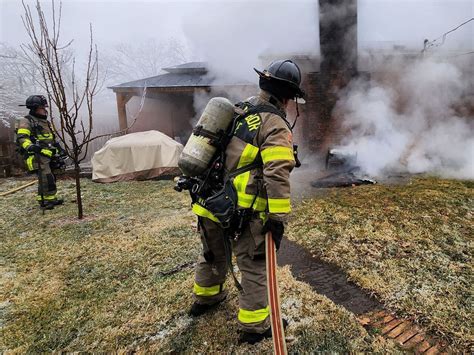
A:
413	116
234	37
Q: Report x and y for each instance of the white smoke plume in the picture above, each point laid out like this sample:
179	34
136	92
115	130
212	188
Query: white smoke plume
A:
234	36
413	116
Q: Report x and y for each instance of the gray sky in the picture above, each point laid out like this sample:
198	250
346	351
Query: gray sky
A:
123	21
237	32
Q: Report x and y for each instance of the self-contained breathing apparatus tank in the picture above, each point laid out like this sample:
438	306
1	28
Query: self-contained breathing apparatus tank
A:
202	161
207	136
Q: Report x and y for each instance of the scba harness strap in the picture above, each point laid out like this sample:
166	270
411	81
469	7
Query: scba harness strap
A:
222	203
247	109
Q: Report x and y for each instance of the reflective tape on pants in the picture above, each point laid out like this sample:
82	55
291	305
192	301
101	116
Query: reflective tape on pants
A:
46	197
257	316
208	291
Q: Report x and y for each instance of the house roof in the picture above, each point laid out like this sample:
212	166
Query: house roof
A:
188	68
193	74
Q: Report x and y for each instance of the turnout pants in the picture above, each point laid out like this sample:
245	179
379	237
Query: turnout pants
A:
46	178
254	313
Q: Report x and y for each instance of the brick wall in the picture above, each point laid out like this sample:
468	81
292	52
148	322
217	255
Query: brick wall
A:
320	126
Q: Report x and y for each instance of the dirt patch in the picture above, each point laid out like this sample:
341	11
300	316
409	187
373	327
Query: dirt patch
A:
326	279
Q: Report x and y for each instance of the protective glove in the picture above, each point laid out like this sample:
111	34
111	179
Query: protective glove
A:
59	150
34	148
277	228
57	163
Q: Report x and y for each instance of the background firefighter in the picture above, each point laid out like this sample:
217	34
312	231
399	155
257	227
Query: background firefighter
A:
263	193
42	154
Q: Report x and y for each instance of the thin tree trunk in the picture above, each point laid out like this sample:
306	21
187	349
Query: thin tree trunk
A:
77	171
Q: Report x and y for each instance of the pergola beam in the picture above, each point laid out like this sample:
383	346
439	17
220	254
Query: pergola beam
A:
124	94
122	99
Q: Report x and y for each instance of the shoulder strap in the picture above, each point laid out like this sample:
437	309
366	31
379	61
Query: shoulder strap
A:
254	109
244	169
51	129
33	125
263	108
266	108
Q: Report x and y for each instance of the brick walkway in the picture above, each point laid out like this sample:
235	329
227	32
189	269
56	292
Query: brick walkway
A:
331	282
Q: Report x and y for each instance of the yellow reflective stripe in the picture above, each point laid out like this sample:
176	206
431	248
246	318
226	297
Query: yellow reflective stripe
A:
47	152
206	291
249	154
241	181
26	143
24	131
256	316
245	201
203	212
279	205
29	162
277	153
46	197
46	136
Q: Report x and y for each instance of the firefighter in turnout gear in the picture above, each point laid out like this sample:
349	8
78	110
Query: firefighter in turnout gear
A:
263	196
43	155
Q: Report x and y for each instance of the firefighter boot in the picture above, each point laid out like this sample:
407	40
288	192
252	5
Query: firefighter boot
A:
57	202
198	309
253	338
47	205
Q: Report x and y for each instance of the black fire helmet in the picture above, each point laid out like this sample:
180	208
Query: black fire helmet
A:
35	101
282	78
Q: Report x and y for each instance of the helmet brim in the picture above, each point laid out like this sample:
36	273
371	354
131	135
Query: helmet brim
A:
266	75
262	74
45	106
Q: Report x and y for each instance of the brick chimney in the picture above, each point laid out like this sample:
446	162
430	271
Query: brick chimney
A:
338	65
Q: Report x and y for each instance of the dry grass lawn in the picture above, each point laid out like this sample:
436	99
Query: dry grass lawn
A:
113	282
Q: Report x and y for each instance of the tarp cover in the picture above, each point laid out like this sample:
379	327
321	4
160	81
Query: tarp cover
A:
136	156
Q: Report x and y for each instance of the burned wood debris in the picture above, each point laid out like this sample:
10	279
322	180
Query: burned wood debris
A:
342	171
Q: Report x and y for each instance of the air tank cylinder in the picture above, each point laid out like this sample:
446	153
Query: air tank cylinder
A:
199	151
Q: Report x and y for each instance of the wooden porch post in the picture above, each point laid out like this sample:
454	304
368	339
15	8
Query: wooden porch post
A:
122	99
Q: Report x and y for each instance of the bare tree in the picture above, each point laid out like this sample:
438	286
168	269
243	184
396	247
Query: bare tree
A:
127	62
18	76
73	97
